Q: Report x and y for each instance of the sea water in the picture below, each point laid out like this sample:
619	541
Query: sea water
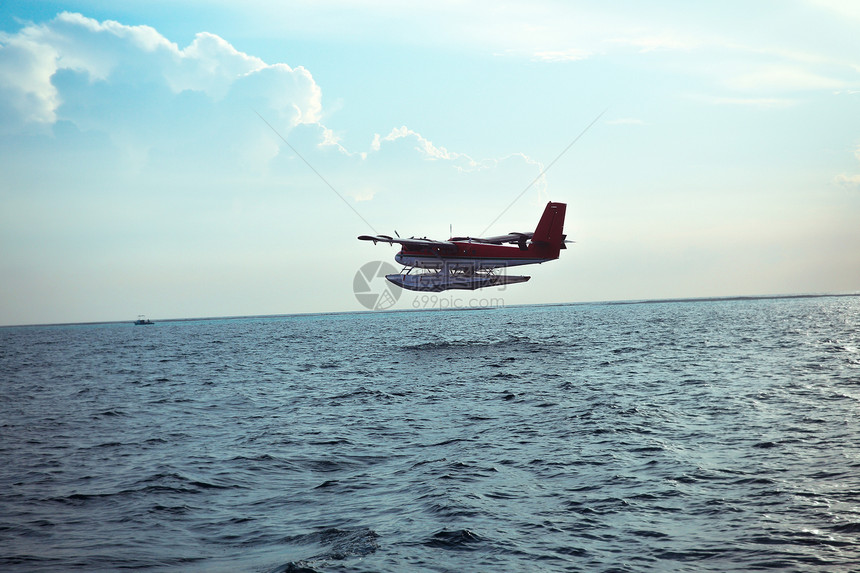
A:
685	436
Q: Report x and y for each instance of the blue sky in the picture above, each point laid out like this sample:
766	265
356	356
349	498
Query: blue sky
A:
136	176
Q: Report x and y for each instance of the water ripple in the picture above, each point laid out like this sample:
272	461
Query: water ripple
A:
701	436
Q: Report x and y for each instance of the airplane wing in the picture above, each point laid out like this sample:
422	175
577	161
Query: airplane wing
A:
411	242
519	239
511	238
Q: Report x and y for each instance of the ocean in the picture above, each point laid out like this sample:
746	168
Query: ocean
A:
717	435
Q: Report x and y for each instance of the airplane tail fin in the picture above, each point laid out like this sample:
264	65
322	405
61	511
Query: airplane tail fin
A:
549	234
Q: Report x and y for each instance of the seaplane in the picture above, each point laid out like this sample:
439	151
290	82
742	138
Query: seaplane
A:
470	263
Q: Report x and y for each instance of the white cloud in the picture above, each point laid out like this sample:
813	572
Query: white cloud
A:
143	37
426	147
844	8
848	181
364	194
162	108
292	93
500	170
118	55
26	92
211	65
780	78
404	159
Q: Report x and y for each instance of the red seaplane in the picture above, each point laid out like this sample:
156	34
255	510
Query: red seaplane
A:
469	263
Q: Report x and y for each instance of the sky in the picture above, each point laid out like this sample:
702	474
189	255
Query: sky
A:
211	158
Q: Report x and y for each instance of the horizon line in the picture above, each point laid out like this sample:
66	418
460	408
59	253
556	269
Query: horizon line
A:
544	304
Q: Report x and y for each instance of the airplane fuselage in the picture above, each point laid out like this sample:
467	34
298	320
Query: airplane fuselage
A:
468	256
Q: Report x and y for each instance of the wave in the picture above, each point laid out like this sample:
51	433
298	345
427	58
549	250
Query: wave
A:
511	340
329	544
459	540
